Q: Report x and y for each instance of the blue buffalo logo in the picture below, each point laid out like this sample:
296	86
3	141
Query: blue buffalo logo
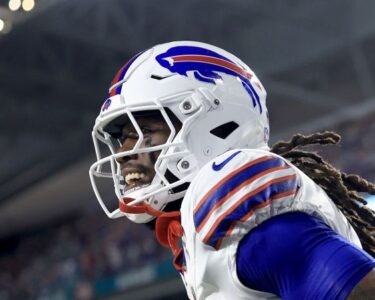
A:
206	66
106	104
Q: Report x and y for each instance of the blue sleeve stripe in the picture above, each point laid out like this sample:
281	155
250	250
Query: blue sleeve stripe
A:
245	207
231	184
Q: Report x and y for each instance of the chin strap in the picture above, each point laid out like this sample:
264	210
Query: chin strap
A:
169	233
168	228
140	208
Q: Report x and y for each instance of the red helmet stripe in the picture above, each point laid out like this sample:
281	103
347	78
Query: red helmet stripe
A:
215	61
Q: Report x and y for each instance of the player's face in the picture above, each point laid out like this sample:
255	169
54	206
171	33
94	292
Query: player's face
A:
138	169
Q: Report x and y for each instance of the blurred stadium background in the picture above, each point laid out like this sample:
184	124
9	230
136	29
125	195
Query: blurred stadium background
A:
57	58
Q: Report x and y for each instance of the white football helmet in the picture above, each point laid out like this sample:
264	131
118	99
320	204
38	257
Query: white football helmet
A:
218	99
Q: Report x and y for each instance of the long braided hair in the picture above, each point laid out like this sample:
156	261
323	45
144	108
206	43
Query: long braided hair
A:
342	188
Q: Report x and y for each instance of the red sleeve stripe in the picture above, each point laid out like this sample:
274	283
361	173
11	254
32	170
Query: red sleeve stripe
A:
275	197
231	193
226	178
261	205
243	199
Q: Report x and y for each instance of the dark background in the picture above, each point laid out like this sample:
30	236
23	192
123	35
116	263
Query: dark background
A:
315	58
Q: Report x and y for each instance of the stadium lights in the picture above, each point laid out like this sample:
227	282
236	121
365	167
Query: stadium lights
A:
28	5
2	25
14	5
5	26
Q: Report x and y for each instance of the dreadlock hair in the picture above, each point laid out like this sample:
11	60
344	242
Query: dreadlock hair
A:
341	188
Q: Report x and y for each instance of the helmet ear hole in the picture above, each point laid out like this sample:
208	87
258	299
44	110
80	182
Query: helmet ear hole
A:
224	130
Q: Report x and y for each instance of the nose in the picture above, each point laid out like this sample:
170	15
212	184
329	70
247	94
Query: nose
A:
124	159
127	146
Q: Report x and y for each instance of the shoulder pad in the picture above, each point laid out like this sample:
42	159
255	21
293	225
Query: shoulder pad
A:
236	186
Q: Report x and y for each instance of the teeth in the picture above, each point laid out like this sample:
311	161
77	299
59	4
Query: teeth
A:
133	176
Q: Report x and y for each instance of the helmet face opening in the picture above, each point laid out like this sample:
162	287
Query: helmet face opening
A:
139	169
138	143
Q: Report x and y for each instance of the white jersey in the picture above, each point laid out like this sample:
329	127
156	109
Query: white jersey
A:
230	196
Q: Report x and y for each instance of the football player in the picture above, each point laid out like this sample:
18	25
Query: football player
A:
187	128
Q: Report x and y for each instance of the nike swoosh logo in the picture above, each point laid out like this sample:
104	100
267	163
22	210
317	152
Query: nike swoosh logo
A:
218	167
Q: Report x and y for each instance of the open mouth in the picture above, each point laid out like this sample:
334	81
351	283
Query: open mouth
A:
134	178
135	181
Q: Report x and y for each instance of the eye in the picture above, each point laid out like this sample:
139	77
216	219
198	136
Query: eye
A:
127	134
146	130
133	134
